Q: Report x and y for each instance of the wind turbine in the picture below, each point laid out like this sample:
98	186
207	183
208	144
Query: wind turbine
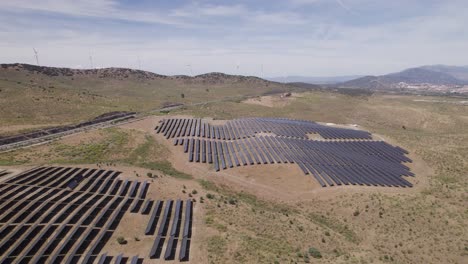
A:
91	60
190	66
37	57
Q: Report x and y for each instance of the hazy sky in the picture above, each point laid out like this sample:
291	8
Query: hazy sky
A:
288	37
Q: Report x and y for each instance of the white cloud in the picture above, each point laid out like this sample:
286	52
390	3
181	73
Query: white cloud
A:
106	9
210	10
285	41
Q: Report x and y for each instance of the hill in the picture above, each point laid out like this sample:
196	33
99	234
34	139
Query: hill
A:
270	213
42	96
459	72
314	79
425	78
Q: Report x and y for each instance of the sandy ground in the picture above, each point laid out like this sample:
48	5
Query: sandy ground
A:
271	100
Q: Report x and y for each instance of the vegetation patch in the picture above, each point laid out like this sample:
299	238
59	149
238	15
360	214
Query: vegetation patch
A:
217	246
166	168
334	225
93	152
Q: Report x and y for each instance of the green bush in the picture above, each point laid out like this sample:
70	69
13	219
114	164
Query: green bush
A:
121	240
232	201
210	196
315	253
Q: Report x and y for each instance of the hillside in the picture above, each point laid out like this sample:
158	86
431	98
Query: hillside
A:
426	78
273	213
315	79
419	75
410	76
43	96
459	72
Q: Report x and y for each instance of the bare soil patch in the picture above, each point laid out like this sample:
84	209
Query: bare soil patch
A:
271	100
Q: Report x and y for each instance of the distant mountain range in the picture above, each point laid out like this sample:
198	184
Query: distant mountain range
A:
432	77
314	80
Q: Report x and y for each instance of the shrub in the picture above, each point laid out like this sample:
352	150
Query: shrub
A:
121	240
327	233
356	213
149	174
210	196
232	201
194	192
315	252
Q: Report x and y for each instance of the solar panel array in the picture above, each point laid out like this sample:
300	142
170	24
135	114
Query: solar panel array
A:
63	214
119	259
248	127
55	130
4	173
175	235
344	157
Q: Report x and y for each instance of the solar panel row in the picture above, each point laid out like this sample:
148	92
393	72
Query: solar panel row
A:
331	163
248	127
43	220
173	236
54	130
119	259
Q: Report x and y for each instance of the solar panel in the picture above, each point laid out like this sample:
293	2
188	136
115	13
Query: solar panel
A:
150	228
344	156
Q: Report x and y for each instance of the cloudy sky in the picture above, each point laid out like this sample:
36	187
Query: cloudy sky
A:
287	37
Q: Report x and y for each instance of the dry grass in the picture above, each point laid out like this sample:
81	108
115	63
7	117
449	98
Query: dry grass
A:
427	225
32	98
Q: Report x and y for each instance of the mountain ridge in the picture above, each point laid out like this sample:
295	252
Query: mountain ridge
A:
438	77
116	72
314	79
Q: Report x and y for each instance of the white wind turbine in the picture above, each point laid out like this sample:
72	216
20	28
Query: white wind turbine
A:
91	60
37	56
190	66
